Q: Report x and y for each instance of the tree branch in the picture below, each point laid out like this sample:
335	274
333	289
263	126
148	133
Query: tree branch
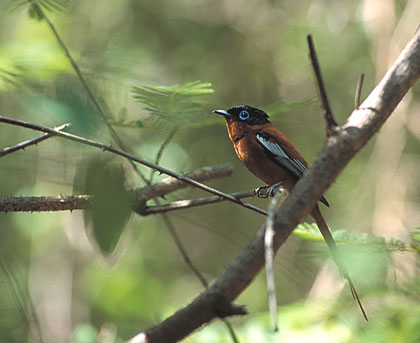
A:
184	204
331	124
29	142
130	157
45	203
140	196
336	154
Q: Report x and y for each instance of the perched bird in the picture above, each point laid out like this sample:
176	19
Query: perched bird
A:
270	156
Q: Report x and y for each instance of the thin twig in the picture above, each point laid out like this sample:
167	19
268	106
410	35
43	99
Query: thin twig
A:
84	84
29	142
177	239
131	157
330	122
185	204
160	152
182	250
358	93
269	257
193	268
27	306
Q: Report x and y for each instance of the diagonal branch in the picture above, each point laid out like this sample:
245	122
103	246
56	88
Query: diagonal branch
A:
84	83
29	142
336	154
172	184
185	204
130	157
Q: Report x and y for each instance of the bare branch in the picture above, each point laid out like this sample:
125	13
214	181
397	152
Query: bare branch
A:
172	184
331	124
336	154
29	142
130	157
358	90
269	256
184	204
45	203
140	196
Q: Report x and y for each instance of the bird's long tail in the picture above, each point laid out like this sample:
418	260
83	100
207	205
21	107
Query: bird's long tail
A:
325	231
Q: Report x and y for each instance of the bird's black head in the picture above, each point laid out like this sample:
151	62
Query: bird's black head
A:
246	114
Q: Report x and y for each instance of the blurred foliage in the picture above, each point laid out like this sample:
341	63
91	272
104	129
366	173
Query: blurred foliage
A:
111	206
172	107
310	232
55	286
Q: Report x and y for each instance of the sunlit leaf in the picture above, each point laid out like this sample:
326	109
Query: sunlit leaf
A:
84	333
310	232
415	239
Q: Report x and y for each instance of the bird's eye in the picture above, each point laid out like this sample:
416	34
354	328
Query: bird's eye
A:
244	115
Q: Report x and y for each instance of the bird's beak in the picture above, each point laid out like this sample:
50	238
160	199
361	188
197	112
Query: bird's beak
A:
222	113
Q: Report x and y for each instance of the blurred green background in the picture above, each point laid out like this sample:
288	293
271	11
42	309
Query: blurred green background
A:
56	286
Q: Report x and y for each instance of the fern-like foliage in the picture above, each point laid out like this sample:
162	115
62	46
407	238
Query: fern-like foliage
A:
311	232
172	107
34	6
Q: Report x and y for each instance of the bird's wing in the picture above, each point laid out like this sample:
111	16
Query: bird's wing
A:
279	155
274	149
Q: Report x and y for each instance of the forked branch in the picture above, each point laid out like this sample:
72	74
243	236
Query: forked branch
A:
362	124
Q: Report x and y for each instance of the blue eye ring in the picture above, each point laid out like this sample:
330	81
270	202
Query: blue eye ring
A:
244	115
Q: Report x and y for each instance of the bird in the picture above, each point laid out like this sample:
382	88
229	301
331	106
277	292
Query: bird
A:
270	156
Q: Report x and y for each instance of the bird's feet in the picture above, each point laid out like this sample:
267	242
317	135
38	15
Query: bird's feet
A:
268	191
261	192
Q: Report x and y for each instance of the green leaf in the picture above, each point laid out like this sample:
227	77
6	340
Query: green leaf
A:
111	207
310	232
84	333
415	239
172	107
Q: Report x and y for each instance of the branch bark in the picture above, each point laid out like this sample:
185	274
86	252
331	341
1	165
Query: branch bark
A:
140	196
184	204
340	148
131	158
